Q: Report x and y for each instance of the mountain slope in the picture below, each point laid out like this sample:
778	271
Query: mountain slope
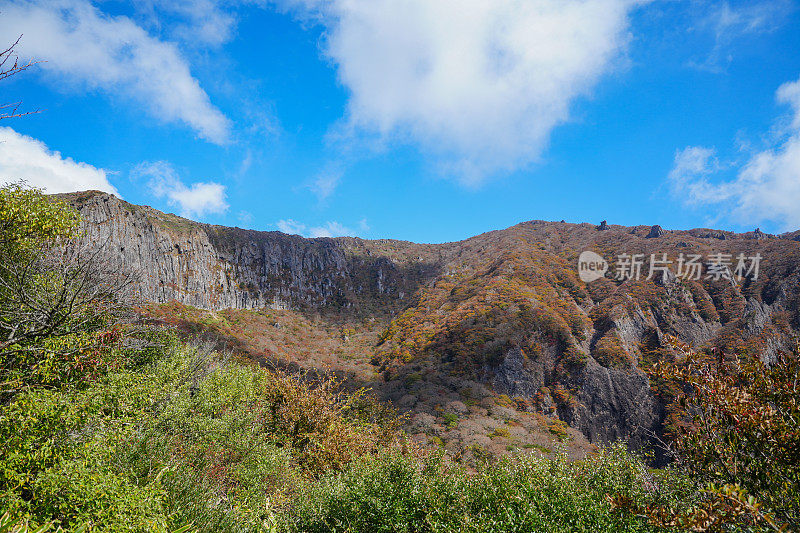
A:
482	341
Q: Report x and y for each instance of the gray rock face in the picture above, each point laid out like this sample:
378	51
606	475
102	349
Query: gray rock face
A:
615	404
655	232
518	376
611	403
216	268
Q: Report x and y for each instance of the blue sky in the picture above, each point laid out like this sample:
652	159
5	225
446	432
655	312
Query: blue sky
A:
424	120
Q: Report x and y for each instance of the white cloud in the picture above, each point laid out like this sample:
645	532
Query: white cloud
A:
83	46
199	22
245	217
689	175
195	200
202	22
329	229
766	186
26	158
326	182
789	94
478	84
291	227
728	23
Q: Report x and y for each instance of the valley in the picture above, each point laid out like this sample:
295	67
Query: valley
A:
486	346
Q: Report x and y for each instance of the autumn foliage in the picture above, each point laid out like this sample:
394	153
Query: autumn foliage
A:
735	428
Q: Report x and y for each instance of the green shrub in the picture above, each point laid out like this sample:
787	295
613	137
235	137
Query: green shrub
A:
523	493
59	301
450	420
180	436
185	437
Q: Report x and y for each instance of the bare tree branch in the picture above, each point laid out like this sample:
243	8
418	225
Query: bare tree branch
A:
8	69
61	290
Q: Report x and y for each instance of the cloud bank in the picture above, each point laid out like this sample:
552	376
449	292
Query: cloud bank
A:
329	229
28	159
766	186
479	85
195	200
83	46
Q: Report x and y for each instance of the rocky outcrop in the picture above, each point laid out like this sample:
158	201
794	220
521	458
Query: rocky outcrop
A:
519	376
758	234
655	232
215	267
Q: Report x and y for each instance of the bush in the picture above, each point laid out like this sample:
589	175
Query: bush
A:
523	493
183	436
736	429
59	299
188	437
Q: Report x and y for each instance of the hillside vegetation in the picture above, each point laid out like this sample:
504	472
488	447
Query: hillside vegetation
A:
112	423
489	345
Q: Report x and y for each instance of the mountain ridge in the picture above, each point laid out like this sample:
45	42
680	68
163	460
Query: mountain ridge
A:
79	198
499	315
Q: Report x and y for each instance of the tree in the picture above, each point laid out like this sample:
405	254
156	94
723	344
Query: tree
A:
8	69
60	295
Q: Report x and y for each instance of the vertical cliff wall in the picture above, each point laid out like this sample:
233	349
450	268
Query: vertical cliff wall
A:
217	267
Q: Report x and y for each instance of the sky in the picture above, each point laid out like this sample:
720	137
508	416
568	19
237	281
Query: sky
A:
421	120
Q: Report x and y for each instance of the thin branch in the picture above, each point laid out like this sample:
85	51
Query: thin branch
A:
6	72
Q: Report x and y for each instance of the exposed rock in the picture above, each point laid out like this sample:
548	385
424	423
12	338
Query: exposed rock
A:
655	232
614	404
603	226
216	268
513	378
708	234
756	316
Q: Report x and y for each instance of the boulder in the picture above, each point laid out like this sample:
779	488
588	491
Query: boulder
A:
655	232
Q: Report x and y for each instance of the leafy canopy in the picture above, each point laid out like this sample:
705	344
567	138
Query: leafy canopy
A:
30	220
736	428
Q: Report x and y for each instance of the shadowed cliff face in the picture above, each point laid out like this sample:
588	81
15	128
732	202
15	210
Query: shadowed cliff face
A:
215	267
505	309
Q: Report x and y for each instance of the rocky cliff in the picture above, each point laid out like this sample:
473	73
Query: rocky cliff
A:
215	267
505	310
